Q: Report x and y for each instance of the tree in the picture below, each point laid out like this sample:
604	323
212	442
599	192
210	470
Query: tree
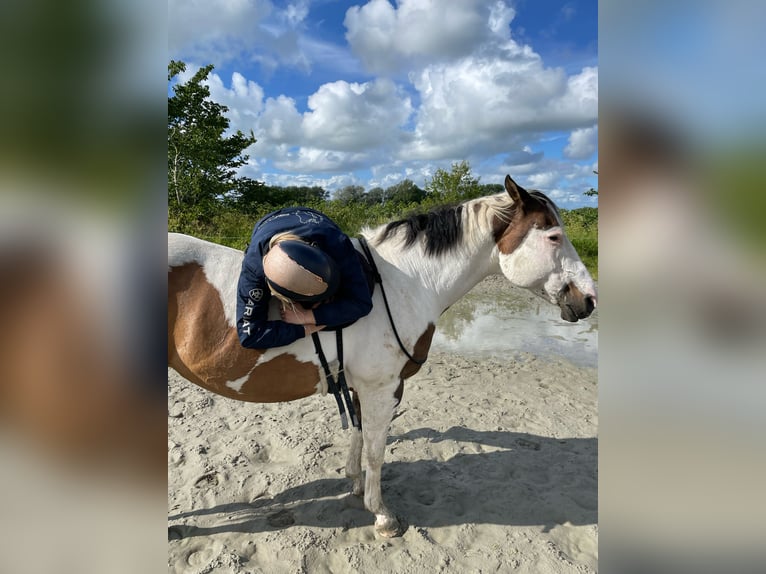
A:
405	192
350	194
376	196
491	188
201	162
456	185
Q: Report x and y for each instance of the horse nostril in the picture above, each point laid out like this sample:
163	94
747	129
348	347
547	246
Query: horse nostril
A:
590	303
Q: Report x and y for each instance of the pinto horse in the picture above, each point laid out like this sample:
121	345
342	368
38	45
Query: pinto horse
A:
426	262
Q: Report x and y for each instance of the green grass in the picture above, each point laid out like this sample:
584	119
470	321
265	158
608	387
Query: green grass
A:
581	226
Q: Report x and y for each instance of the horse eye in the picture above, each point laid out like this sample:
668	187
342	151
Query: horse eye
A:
555	238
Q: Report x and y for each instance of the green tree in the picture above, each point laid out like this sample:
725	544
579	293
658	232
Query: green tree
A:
202	162
376	196
350	194
405	192
458	184
491	188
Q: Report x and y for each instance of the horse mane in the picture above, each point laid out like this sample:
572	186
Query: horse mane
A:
442	226
447	227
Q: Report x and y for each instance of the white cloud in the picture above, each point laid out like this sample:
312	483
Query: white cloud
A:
582	143
310	159
244	99
280	122
342	117
483	101
295	12
202	27
544	180
241	30
348	116
384	37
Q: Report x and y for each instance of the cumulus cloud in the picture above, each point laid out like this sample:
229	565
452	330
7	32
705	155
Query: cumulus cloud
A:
349	116
543	180
280	122
341	116
384	36
582	143
230	30
483	100
204	27
244	98
310	159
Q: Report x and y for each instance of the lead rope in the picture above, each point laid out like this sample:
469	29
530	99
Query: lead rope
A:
378	279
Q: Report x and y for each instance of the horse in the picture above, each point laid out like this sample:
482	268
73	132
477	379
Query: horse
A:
426	263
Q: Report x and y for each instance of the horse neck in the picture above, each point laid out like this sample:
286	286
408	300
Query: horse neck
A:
444	278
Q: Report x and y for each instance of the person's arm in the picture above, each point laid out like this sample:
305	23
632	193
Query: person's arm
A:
253	327
352	300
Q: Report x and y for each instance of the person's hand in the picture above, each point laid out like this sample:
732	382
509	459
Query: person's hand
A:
312	329
297	316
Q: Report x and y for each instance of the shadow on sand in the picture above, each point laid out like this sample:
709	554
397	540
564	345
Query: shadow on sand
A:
511	479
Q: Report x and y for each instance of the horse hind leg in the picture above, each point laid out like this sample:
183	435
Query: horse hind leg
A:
354	460
378	406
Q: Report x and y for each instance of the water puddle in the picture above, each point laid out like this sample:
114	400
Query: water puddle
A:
501	325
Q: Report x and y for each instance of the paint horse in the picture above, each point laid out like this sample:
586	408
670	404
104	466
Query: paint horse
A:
427	262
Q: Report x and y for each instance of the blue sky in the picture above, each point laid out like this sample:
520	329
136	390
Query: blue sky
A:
370	93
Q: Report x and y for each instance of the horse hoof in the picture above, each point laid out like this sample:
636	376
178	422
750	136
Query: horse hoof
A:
389	528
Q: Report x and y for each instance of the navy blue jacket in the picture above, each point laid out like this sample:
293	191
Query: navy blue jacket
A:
352	300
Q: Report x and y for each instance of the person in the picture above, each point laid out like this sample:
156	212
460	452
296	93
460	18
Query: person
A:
301	257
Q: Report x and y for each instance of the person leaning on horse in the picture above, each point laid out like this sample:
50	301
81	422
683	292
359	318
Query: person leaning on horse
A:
301	257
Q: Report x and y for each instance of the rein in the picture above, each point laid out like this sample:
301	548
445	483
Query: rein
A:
379	280
340	387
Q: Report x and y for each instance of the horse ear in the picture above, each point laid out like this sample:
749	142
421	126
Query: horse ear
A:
518	194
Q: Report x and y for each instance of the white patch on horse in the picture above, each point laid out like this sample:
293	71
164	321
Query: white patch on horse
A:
237	384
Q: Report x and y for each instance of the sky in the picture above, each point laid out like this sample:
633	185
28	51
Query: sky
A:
371	93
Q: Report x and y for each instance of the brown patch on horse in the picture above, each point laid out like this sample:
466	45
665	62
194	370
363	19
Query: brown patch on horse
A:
399	393
527	212
215	357
420	352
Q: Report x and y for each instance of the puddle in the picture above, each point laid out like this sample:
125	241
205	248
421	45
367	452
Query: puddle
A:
502	325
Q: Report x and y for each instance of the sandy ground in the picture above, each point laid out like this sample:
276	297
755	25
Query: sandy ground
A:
491	463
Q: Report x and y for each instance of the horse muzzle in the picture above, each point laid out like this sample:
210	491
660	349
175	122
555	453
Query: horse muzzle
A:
575	304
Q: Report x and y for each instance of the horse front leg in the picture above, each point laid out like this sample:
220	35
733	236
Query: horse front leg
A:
354	460
378	406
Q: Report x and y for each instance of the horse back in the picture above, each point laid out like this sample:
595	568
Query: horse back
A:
203	345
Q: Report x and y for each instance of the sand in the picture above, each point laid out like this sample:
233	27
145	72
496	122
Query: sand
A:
492	464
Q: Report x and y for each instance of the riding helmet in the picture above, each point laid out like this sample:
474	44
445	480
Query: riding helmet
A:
300	271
